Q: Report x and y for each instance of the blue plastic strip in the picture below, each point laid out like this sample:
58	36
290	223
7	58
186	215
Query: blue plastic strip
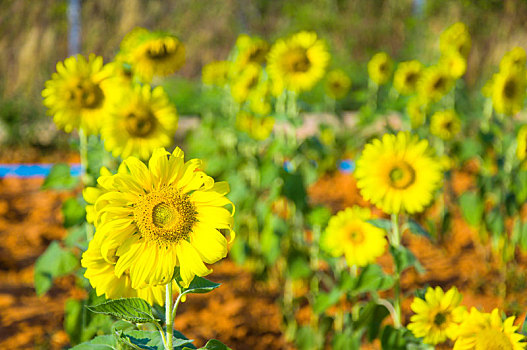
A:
347	166
32	170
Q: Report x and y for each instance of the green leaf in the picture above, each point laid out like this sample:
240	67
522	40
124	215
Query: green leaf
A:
73	212
200	285
472	208
346	341
54	262
417	229
149	340
135	310
323	301
404	258
214	344
370	318
59	178
384	224
102	342
524	326
372	278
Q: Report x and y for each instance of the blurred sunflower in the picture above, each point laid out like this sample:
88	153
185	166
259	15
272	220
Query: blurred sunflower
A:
259	128
406	76
521	150
165	215
454	63
515	57
298	62
456	37
101	274
337	84
445	124
246	82
349	234
416	111
488	331
438	316
398	173
141	121
508	90
216	73
78	94
488	88
380	68
260	99
152	53
435	82
249	50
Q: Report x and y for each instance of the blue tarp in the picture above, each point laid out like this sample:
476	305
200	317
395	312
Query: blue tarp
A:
32	170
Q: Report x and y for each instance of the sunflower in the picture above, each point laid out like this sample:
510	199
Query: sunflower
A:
249	50
482	331
260	99
91	194
406	76
78	94
259	128
101	274
437	316
515	57
435	82
152	53
454	63
398	173
445	124
521	150
349	234
416	111
456	37
508	90
380	68
337	84
141	121
488	88
246	82
163	215
216	73
298	62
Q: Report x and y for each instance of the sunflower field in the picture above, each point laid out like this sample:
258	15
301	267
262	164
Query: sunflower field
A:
285	192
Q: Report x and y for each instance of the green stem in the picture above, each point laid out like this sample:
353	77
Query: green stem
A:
168	316
396	242
83	150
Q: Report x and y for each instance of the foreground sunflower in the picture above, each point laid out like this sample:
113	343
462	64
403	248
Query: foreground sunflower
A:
298	62
380	68
337	84
167	214
78	93
445	124
438	316
508	90
482	331
152	53
398	173
406	76
141	121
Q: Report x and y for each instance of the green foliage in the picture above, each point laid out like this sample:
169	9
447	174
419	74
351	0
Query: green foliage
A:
472	208
148	340
372	279
73	212
213	344
54	262
130	309
200	285
101	342
417	229
384	224
59	178
404	259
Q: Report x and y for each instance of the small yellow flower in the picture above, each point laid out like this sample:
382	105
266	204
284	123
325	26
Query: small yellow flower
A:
456	37
141	121
260	98
246	82
445	124
152	53
380	68
521	150
298	62
78	94
438	316
165	215
435	82
454	63
216	73
337	84
259	128
482	331
349	234
515	57
406	76
416	111
398	173
508	90
249	50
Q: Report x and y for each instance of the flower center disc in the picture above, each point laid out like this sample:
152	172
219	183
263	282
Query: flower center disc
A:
87	95
165	216
297	61
140	123
439	319
402	175
509	90
492	339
